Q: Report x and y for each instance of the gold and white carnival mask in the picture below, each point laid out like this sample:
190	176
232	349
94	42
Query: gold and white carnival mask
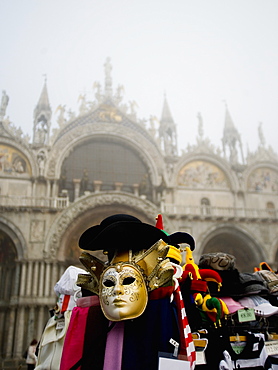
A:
123	284
123	294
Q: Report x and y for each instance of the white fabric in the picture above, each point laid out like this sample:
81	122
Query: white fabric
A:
51	344
67	283
260	305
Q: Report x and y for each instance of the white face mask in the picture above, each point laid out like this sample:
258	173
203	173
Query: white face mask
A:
123	293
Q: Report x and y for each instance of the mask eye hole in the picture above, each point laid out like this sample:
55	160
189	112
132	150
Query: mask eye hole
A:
128	280
108	283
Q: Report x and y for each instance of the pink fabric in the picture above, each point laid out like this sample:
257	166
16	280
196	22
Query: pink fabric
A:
88	301
114	347
74	341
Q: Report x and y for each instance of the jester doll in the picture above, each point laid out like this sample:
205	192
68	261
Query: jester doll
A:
127	317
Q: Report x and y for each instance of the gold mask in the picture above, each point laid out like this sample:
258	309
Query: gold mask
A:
124	283
123	293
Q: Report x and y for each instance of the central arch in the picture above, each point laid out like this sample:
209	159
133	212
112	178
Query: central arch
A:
63	236
232	240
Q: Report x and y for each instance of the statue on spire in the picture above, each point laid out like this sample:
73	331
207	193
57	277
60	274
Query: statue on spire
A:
261	134
200	125
4	104
108	78
231	139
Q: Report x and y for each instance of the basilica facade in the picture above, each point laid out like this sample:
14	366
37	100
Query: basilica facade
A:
105	160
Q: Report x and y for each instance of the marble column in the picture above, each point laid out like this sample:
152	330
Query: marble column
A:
118	186
41	279
23	279
47	280
97	186
42	320
136	189
35	289
10	319
29	282
76	184
19	332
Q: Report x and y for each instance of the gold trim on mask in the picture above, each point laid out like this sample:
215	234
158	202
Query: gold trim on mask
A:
153	264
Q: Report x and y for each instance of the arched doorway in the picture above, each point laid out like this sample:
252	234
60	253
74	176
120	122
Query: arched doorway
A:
91	210
8	256
233	241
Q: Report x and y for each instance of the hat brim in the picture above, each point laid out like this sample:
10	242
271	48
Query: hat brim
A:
180	237
121	235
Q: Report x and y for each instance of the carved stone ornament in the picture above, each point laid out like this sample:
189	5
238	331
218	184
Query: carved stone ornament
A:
96	200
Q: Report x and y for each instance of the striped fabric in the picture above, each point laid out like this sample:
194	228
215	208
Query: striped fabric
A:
187	347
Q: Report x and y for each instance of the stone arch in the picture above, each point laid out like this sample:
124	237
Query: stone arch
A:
235	241
12	232
215	167
262	178
11	250
62	240
20	153
107	163
148	152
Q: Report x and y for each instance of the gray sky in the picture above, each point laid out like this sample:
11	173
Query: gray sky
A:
201	53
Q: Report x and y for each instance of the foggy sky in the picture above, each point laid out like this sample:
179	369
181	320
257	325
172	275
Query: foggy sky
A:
201	53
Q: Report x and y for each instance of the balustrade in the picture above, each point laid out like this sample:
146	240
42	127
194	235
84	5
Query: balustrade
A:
216	212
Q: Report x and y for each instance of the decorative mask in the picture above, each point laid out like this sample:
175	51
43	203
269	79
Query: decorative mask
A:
122	292
123	285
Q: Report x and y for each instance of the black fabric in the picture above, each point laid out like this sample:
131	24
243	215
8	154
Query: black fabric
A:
231	284
149	334
214	350
94	340
126	231
252	351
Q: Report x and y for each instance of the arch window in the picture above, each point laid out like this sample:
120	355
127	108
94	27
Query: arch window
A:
270	209
107	163
205	206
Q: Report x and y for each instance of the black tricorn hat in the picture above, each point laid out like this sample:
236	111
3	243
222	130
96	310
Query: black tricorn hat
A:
124	232
121	232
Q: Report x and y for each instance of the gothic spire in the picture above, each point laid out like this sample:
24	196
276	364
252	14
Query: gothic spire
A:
166	115
229	128
42	117
168	131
